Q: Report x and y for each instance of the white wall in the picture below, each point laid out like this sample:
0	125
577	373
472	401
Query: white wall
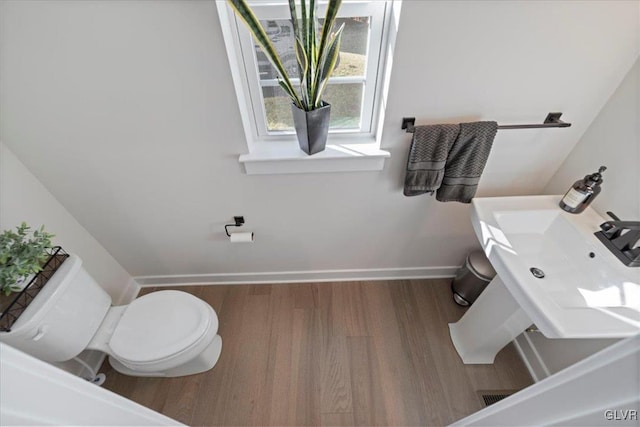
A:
24	198
126	111
613	139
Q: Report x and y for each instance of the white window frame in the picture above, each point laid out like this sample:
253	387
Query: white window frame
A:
347	150
373	9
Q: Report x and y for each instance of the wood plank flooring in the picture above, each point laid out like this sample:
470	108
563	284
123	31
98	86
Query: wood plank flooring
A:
332	354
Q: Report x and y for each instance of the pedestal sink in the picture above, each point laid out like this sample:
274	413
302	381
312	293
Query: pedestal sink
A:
552	272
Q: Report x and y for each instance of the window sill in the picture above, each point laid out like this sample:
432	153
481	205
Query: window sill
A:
288	158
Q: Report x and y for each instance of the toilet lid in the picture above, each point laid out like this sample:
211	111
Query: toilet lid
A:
159	325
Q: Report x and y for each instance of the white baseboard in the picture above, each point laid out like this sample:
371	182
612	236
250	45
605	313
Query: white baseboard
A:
299	276
531	357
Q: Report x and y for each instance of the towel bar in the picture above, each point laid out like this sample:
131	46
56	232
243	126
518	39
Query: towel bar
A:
551	121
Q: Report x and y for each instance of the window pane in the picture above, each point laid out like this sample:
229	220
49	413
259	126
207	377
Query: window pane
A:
353	48
345	100
281	34
346	104
277	109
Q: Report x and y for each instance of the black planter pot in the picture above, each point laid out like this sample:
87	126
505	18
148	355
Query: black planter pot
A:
312	127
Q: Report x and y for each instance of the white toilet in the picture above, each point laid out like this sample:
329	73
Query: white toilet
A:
161	334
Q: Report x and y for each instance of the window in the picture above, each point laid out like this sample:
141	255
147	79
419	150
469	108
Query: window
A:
354	89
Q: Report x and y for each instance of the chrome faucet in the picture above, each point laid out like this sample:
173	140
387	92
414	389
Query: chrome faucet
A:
622	239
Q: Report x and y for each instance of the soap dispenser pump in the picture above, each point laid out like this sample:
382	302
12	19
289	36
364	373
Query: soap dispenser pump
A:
582	192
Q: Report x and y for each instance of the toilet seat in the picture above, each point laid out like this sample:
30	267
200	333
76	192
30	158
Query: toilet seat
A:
163	329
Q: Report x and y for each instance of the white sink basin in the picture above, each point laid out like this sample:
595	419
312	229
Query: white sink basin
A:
586	291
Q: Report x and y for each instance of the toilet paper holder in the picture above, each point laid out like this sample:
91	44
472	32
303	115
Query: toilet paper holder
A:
238	222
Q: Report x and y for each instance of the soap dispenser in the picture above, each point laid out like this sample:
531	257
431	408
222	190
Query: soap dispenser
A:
582	192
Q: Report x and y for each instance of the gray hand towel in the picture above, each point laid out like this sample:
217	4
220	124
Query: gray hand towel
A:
465	162
427	158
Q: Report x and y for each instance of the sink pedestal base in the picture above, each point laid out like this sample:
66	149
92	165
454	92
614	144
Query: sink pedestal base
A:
492	322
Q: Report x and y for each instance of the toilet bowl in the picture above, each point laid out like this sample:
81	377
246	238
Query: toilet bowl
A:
161	334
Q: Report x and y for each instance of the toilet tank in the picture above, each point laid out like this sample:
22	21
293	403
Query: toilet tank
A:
63	317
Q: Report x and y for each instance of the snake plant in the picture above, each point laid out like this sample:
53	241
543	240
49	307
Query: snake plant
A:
317	48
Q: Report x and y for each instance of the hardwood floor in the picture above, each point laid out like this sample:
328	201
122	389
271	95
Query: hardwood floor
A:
332	354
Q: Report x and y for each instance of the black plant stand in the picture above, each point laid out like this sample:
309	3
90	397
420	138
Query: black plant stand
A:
13	306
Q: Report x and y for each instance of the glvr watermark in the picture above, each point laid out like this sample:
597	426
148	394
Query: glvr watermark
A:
621	415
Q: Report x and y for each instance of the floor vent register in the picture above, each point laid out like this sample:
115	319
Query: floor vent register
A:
489	397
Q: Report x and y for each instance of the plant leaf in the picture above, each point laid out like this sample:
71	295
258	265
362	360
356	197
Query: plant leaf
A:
303	65
332	53
21	254
329	20
294	17
327	26
327	65
289	91
301	56
313	31
305	25
243	10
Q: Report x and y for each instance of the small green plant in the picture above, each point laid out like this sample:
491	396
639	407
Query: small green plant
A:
317	48
22	252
